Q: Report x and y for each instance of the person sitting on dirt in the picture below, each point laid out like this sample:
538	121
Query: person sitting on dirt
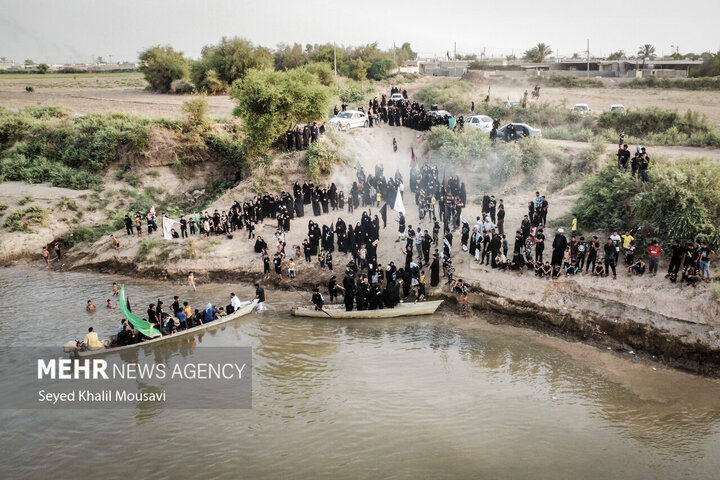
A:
517	262
599	270
691	276
573	268
556	270
638	268
546	270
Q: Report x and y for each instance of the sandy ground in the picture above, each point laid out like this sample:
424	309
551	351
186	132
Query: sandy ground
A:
102	94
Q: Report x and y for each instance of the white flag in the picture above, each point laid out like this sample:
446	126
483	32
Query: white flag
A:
399	207
167	226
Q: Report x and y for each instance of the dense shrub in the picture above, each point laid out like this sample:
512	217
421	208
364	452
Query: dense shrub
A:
23	220
704	83
458	147
42	145
452	95
229	149
46	111
194	111
18	167
681	200
353	92
320	157
90	142
651	120
569	81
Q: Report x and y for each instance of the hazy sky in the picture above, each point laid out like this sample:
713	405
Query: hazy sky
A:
58	31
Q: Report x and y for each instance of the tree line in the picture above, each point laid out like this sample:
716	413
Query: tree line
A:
219	65
709	68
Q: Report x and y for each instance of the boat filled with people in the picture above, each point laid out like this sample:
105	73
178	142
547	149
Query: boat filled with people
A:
137	332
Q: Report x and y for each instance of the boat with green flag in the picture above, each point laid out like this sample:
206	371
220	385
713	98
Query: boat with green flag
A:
143	326
151	332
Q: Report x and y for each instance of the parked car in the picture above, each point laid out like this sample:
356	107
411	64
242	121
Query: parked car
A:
349	119
521	130
396	97
440	113
618	109
481	122
510	103
581	109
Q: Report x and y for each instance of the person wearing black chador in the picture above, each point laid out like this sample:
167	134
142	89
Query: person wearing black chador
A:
289	136
298	139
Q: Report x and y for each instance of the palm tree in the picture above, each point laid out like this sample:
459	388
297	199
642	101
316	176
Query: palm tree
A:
646	51
543	51
538	53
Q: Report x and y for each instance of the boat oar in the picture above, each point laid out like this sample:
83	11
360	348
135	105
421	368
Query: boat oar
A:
303	297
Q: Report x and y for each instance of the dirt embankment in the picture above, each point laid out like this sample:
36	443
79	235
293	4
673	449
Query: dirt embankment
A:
648	315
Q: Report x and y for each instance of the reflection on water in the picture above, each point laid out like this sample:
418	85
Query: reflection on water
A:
407	398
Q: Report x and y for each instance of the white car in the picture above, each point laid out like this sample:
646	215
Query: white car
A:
481	122
581	109
396	97
349	119
440	113
617	108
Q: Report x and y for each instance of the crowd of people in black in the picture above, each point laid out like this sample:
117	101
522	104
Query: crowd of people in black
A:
400	112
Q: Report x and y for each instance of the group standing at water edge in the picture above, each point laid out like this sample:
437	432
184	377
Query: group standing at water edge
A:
441	234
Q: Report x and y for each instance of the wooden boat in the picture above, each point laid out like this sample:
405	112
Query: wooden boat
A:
338	311
245	308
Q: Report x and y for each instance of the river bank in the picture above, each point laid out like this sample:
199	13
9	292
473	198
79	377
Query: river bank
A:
676	324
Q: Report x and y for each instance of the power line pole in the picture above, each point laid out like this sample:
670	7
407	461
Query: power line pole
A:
588	57
455	59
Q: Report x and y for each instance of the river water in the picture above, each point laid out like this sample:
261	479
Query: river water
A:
436	397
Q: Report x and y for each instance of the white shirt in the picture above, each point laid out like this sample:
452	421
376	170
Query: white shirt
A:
235	302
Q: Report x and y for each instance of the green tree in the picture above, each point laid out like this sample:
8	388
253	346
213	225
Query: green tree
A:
230	59
381	69
646	52
406	53
322	71
287	57
270	101
710	66
357	69
161	65
619	55
211	83
43	68
29	62
538	53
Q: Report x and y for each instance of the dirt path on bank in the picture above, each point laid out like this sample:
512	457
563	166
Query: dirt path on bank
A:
671	152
